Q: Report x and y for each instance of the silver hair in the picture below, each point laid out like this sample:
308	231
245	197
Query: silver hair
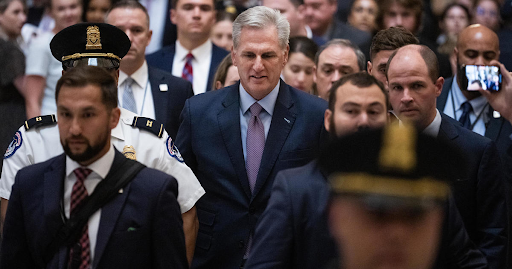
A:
361	59
260	17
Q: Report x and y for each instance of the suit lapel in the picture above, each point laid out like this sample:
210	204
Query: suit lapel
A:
53	191
447	131
159	97
229	123
109	215
282	123
494	126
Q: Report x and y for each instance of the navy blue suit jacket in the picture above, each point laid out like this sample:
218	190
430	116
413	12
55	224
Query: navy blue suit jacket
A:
210	141
168	104
480	197
139	228
293	231
163	59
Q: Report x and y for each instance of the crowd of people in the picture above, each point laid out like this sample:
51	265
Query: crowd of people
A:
272	134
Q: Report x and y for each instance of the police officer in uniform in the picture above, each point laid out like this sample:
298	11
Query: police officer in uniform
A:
141	139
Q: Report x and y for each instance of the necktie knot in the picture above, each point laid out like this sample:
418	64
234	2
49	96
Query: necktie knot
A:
255	109
189	57
466	107
82	173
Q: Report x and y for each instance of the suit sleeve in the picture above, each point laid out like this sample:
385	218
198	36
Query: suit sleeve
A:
273	237
491	220
15	249
457	250
184	137
168	238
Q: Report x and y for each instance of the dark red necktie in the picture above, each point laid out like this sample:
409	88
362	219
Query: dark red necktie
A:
188	73
78	194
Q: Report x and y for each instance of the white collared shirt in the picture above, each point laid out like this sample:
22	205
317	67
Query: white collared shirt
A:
200	64
267	103
457	98
141	91
433	128
100	170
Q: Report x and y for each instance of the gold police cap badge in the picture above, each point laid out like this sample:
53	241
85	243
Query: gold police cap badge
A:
129	152
93	38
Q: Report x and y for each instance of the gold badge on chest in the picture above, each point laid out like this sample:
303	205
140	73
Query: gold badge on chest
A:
129	152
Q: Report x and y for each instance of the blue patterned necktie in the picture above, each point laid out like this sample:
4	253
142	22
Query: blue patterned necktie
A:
464	118
128	97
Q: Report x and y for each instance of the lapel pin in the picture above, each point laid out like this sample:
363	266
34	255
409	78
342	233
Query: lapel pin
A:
163	87
496	114
287	120
120	190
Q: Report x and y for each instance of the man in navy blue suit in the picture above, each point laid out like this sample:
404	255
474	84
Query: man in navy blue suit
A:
140	227
414	84
156	94
194	20
476	45
235	151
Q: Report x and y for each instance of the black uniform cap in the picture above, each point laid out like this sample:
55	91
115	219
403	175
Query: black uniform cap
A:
395	166
97	44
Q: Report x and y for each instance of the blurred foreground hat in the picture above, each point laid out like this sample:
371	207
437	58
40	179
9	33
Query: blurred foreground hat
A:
97	44
390	168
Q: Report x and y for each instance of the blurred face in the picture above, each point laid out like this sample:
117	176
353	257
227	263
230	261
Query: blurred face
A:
96	10
455	21
232	76
193	18
355	109
13	18
290	12
85	123
222	34
487	13
394	239
398	15
377	67
66	13
363	15
318	14
298	72
134	24
333	63
411	91
259	59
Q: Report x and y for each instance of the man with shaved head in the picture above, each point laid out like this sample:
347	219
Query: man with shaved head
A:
414	84
476	45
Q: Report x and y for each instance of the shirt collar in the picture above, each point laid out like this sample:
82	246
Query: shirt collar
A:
101	166
268	102
309	33
433	128
200	53
478	104
140	76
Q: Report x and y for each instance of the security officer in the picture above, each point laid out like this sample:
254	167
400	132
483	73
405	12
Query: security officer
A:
389	189
141	139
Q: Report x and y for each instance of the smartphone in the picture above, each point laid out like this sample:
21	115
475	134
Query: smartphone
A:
478	77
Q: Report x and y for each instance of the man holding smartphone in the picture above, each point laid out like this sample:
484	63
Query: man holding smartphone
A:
476	45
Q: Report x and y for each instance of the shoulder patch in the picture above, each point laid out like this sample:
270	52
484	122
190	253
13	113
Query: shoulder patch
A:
40	121
15	144
173	150
148	124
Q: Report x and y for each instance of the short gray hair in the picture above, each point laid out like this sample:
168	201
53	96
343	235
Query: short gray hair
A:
260	17
361	59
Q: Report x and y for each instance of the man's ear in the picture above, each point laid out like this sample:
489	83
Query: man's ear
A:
114	117
369	67
439	85
327	119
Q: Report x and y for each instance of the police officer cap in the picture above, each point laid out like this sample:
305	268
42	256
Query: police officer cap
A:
97	44
392	167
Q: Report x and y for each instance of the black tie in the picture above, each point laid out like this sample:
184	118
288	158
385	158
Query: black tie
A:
464	118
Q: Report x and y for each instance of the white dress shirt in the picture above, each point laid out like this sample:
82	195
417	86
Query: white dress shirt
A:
141	88
200	64
100	170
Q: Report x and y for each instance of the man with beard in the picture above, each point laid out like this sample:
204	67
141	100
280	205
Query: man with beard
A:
293	231
414	84
139	227
476	45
